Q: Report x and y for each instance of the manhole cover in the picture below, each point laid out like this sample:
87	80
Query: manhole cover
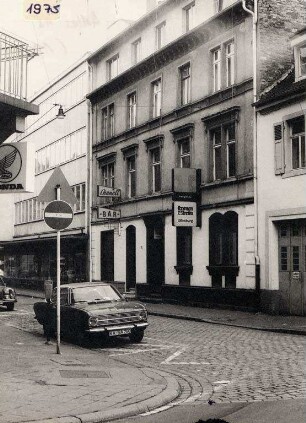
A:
83	374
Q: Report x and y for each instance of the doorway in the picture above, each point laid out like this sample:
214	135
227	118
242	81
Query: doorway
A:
292	266
155	253
107	256
130	257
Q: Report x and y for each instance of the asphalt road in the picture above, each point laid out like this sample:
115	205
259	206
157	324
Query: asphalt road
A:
240	375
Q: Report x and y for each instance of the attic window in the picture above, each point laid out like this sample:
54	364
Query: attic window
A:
300	61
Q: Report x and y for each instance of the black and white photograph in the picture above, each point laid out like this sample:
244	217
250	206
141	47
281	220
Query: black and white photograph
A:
152	211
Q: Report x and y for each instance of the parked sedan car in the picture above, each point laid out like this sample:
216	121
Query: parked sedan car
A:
7	295
95	308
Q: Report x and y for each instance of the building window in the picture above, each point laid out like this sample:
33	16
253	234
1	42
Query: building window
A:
108	175
223	142
300	61
156	97
223	249
184	146
79	192
216	69
189	15
155	169
185	84
136	51
298	146
184	254
113	67
230	63
131	168
230	137
108	122
160	35
131	100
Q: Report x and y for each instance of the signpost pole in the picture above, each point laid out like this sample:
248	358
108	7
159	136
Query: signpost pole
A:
58	280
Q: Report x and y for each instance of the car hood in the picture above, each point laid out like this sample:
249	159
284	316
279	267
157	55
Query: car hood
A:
109	308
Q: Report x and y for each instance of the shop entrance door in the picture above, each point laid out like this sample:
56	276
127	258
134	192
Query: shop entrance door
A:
292	266
107	256
155	253
130	257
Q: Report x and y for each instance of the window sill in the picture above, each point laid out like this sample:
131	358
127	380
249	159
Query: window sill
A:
186	268
294	172
212	270
227	181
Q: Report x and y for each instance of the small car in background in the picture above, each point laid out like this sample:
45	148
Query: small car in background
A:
7	295
93	308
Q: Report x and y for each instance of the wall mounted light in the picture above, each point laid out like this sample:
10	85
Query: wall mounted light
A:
60	113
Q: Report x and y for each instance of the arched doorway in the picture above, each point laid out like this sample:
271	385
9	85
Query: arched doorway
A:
130	257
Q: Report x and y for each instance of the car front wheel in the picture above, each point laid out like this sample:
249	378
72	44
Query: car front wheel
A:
137	336
10	306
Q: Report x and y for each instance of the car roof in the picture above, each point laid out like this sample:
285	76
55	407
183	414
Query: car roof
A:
83	284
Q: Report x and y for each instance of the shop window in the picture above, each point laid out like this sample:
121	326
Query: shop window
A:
184	254
223	249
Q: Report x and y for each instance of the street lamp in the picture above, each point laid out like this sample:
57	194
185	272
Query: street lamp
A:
60	113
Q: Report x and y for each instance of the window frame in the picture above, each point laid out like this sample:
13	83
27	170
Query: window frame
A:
131	110
185	84
160	35
131	176
230	59
189	23
299	75
108	121
156	178
109	63
136	51
217	65
156	94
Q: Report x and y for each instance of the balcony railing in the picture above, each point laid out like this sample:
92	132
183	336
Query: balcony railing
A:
14	58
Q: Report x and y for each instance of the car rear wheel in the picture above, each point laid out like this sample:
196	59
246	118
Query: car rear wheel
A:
137	336
10	306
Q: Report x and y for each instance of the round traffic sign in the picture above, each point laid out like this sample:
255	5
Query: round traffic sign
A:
58	215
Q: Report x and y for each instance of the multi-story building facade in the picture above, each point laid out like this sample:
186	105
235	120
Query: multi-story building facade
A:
30	255
175	90
14	107
281	202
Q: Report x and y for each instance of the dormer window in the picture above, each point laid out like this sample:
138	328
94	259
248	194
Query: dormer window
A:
300	61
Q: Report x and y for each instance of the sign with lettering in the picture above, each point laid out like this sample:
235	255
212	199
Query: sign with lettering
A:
108	192
104	213
17	161
184	213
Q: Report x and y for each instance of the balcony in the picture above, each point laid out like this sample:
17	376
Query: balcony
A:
14	58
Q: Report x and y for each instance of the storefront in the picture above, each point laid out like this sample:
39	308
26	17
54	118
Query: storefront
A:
30	262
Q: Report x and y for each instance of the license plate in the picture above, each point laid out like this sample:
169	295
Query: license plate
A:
119	332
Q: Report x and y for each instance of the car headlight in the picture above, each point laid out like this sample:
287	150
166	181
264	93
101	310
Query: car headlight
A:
143	315
93	321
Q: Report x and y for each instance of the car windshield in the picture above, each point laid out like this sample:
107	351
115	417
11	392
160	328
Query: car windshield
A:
95	294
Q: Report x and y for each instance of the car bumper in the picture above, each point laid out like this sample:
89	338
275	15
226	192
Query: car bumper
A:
106	329
8	301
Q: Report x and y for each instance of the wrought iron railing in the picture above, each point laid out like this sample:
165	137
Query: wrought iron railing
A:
14	57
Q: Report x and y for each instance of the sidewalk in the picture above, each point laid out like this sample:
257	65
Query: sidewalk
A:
295	325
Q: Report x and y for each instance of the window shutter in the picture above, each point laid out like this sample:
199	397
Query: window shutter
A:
279	148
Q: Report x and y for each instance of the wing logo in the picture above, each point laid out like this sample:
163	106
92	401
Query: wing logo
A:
10	163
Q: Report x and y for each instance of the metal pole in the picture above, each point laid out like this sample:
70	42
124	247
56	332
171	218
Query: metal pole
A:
58	280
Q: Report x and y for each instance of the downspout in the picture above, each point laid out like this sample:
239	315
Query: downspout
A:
254	14
89	175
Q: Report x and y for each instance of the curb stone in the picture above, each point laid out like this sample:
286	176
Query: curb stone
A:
170	393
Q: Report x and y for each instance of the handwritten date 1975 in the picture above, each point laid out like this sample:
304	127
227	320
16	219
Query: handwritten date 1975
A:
37	8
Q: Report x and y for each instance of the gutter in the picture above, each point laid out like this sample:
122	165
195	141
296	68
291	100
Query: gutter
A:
254	15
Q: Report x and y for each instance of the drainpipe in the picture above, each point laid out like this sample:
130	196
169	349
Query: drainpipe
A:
89	175
254	14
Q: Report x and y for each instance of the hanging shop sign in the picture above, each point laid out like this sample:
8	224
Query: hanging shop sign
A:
108	192
17	167
184	213
104	213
